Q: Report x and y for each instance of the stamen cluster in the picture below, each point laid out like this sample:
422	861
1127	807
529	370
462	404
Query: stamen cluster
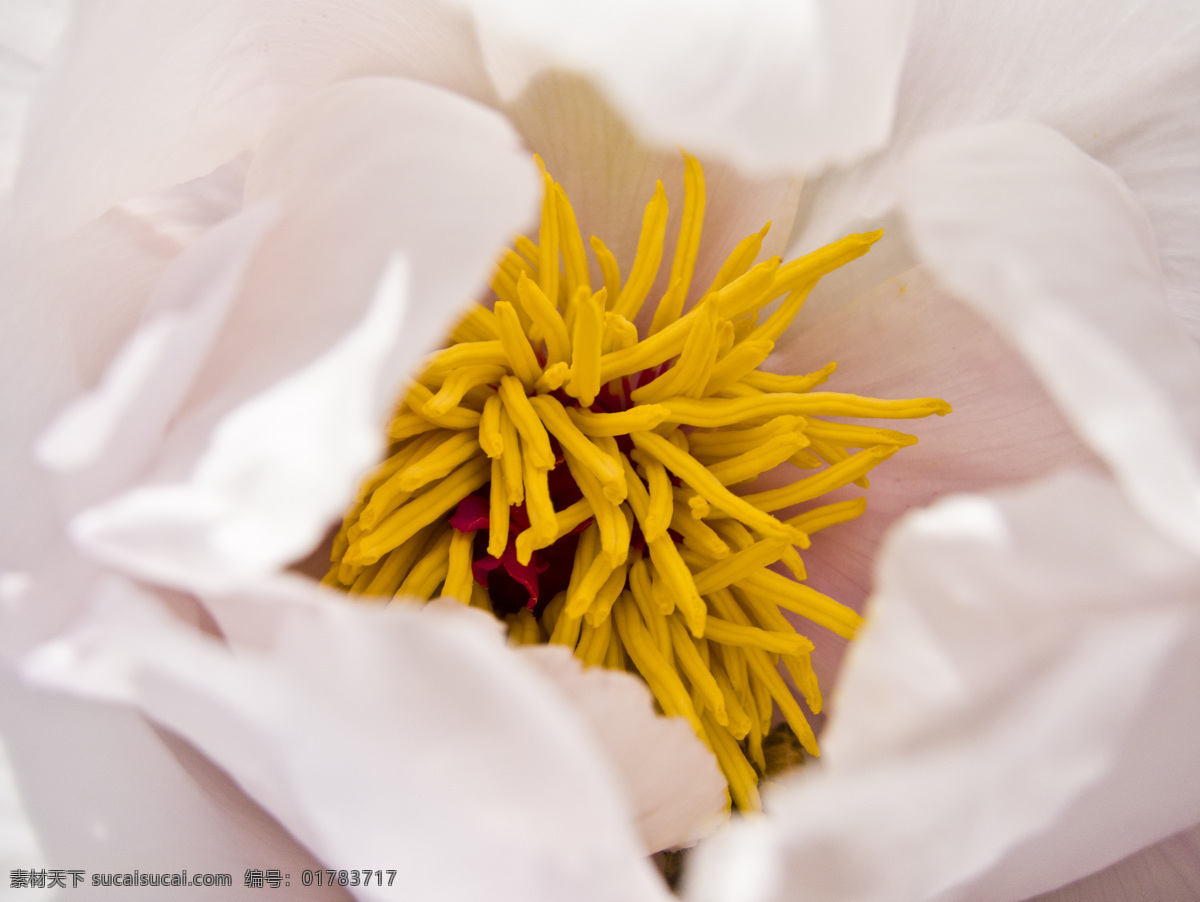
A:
572	473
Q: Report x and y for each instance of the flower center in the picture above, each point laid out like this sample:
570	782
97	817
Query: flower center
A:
559	467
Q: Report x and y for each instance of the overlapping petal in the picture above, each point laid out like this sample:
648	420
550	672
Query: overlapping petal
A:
405	737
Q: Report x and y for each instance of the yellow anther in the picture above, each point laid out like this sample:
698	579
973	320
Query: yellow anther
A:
737	364
708	486
490	438
584	383
510	459
742	258
659	674
611	522
637	419
749	464
739	565
647	258
574	256
566	521
827	515
690	373
834	477
725	443
749	292
454	418
603	467
546	317
769	382
713	412
459	577
535	441
477	324
554	377
430	568
454	452
619	333
687	246
608	267
538	504
403	523
548	241
696	670
455	357
521	358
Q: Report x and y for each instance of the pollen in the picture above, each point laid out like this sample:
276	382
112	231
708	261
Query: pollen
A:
582	467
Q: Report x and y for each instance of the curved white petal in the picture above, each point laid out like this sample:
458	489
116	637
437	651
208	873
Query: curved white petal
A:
772	86
1119	79
403	737
671	778
276	426
107	437
107	792
149	94
1052	249
1018	648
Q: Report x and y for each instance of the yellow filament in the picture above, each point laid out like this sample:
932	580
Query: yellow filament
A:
670	570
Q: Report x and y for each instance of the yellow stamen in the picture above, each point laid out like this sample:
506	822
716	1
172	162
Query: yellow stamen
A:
554	394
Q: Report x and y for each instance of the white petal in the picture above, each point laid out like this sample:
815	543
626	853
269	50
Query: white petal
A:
29	30
672	780
107	437
1050	247
1120	79
1030	658
150	94
404	738
106	791
252	472
771	86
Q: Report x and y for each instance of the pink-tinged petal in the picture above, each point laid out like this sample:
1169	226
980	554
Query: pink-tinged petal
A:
107	792
1119	79
289	406
771	86
150	94
671	779
609	174
411	739
1166	870
909	338
1017	650
1054	251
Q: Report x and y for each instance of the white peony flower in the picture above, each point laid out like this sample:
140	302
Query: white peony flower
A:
237	226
